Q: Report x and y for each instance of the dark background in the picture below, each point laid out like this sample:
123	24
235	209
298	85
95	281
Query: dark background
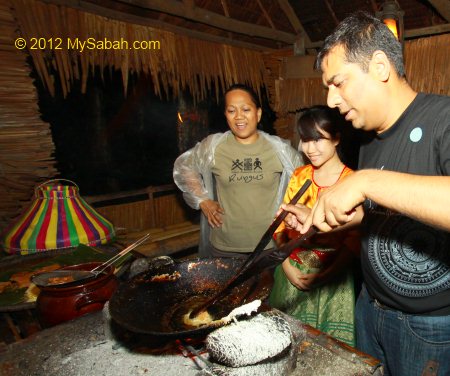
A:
108	142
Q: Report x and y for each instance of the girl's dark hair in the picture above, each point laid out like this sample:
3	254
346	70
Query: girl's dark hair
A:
247	89
322	117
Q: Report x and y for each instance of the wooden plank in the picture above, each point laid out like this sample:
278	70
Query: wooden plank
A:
427	31
213	19
163	232
299	67
169	246
159	24
443	8
293	19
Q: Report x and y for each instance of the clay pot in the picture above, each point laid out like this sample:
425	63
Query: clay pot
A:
56	304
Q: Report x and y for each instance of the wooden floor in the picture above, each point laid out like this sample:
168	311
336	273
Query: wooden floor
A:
168	240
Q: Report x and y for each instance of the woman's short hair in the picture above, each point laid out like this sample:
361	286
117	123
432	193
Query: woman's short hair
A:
248	90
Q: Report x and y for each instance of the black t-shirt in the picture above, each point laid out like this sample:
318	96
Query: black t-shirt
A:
406	264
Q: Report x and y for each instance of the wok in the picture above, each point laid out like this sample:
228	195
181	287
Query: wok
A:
155	301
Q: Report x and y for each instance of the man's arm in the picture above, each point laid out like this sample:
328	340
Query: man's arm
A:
298	219
424	198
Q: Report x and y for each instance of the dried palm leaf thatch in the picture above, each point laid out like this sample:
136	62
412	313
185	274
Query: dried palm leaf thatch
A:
26	144
299	93
174	62
426	64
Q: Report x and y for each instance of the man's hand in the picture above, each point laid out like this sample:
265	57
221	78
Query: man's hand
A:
213	211
297	215
337	205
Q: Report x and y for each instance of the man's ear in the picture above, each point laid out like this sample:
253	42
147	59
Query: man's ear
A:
380	65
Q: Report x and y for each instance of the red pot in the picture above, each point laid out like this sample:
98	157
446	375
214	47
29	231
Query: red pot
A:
56	304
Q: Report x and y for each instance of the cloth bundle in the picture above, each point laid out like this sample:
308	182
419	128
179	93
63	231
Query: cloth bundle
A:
250	341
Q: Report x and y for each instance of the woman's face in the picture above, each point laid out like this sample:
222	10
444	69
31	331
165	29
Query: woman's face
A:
320	151
242	116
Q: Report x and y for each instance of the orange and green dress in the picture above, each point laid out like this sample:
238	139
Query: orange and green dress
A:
329	307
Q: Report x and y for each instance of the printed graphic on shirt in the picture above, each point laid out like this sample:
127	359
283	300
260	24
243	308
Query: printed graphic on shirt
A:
412	259
246	171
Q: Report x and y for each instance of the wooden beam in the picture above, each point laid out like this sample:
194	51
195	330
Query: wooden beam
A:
227	14
294	67
225	8
200	15
427	31
410	34
333	15
89	7
299	47
443	8
189	6
293	19
266	15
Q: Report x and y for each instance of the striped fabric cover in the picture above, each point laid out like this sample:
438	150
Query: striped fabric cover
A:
58	218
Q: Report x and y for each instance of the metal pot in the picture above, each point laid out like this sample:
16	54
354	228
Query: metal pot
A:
154	302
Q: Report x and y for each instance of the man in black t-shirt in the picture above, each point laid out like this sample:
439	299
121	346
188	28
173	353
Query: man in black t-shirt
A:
400	196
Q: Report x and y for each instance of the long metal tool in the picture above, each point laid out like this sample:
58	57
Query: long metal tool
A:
63	277
255	255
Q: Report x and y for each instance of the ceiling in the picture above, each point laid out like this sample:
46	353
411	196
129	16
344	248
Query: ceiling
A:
263	24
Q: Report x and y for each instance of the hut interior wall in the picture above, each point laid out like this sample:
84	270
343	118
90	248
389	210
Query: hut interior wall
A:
159	211
26	144
427	70
427	64
151	207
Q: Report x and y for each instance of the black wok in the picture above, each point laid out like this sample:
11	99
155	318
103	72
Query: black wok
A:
154	302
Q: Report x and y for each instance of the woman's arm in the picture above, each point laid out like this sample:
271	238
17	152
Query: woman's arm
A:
187	176
192	171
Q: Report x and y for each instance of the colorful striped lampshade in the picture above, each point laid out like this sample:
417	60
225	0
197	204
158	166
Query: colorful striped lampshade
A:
58	218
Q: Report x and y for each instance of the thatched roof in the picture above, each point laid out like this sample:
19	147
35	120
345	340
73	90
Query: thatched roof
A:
174	62
261	24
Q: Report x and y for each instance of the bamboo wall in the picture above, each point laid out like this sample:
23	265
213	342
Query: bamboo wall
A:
158	211
273	63
427	70
427	64
26	145
144	208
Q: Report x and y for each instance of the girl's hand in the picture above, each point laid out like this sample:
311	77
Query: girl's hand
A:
213	211
300	280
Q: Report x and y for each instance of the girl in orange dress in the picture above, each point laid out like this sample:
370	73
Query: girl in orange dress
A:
315	284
